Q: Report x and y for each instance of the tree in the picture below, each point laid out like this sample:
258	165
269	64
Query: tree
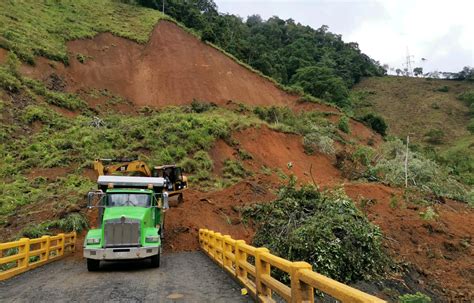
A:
418	71
398	71
322	82
467	73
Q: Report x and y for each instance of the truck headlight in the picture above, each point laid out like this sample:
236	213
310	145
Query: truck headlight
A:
152	238
93	241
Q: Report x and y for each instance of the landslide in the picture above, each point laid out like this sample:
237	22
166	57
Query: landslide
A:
173	68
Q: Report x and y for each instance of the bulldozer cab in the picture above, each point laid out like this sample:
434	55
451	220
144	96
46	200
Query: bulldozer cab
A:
173	175
172	172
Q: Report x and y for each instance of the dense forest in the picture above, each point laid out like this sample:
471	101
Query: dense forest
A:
315	60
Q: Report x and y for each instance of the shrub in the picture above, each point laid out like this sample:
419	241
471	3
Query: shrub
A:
234	170
423	173
429	214
315	142
435	136
322	82
470	126
200	107
376	122
414	298
467	97
322	228
443	89
343	124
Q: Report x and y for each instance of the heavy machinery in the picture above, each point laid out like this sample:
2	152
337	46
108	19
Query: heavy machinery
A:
177	183
131	220
173	174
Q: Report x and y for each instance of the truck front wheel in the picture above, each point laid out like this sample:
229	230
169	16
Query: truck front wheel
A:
93	265
155	260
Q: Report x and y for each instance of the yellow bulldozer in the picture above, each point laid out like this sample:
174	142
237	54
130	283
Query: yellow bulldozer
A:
177	183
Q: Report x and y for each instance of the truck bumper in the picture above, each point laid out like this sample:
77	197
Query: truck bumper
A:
122	253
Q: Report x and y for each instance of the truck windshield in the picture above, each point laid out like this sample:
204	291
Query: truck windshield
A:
124	199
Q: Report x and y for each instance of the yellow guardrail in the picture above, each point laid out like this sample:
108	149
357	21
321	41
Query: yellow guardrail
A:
16	256
233	256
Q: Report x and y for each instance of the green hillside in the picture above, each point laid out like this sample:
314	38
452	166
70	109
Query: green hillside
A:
429	110
45	32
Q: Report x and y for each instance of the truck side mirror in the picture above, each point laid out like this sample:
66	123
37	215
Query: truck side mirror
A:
93	195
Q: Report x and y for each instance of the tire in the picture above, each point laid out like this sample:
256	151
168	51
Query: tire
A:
155	260
93	265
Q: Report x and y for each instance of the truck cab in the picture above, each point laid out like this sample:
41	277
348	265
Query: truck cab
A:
131	219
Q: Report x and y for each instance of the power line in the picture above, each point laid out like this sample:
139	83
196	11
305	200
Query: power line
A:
409	61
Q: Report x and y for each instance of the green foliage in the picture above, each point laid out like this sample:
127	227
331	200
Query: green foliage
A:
443	89
470	126
467	96
322	228
234	170
277	48
414	298
316	142
460	158
429	214
435	136
72	222
376	122
200	107
31	28
423	173
284	119
323	83
343	124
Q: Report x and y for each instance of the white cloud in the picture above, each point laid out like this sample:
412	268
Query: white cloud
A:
441	31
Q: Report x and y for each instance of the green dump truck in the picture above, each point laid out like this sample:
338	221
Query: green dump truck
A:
130	220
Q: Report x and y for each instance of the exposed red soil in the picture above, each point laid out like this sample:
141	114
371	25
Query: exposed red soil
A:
310	106
219	153
357	131
173	68
215	211
3	55
48	173
440	249
276	150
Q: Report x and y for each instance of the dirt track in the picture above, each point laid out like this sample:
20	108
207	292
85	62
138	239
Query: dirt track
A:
182	277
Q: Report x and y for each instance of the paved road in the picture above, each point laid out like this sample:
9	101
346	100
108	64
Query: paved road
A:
182	277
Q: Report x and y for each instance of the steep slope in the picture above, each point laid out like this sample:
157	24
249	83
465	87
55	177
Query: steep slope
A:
173	68
416	106
44	173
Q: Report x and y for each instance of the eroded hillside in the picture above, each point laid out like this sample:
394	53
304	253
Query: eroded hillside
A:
119	98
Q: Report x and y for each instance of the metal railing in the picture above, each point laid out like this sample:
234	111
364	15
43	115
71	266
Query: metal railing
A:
25	254
233	256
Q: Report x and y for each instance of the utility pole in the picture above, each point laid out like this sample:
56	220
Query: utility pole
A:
406	162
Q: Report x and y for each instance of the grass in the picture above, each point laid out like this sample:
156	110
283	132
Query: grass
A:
407	106
34	136
435	113
41	28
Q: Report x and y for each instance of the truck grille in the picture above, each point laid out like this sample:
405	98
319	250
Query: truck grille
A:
122	232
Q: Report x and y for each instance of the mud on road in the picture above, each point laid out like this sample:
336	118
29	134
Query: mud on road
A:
182	277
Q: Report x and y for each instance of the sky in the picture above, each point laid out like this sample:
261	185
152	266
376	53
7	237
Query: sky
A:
440	31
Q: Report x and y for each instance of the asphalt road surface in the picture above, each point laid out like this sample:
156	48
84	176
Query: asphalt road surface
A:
182	277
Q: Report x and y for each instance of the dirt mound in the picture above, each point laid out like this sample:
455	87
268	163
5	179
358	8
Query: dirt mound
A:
173	68
440	249
215	210
279	151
